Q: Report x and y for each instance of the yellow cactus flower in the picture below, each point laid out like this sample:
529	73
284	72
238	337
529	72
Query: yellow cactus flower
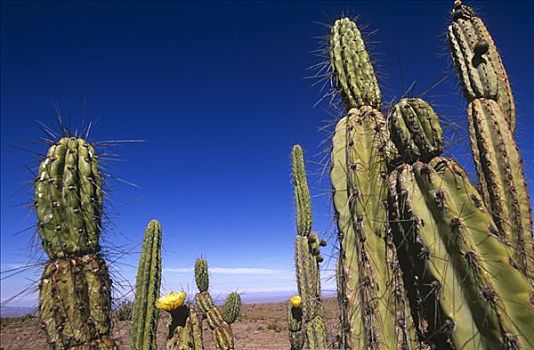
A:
171	301
296	301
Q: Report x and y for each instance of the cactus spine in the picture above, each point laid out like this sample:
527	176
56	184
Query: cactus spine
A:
373	312
75	288
145	314
491	116
217	321
307	259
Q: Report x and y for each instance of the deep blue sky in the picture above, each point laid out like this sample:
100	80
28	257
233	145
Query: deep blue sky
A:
218	91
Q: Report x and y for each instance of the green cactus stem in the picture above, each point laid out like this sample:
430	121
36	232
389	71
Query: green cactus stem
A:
297	337
201	275
369	301
179	329
470	295
68	199
231	307
502	180
415	130
307	258
75	303
353	73
478	62
222	331
145	314
302	193
75	288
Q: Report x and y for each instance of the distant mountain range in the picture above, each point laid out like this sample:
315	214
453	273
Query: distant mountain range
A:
14	311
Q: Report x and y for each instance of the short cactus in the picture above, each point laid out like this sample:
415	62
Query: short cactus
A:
231	307
184	331
145	313
307	259
75	288
217	321
297	337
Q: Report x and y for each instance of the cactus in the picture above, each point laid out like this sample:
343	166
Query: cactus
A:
469	294
184	331
307	259
478	62
145	314
231	307
373	311
297	337
491	116
68	199
353	73
75	288
415	130
218	322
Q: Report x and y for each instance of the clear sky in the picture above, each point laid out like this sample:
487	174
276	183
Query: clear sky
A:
219	92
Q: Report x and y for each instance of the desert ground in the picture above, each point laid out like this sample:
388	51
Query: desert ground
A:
259	326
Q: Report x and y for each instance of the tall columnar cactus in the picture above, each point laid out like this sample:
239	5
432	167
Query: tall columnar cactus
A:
373	312
75	288
217	321
307	259
467	292
147	285
491	116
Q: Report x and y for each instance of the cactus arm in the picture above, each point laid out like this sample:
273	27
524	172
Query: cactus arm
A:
353	72
148	281
415	130
302	193
196	328
478	62
231	307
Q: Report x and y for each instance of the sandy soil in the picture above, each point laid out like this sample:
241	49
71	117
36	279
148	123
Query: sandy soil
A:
260	326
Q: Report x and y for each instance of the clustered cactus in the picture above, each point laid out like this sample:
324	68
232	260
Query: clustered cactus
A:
426	259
